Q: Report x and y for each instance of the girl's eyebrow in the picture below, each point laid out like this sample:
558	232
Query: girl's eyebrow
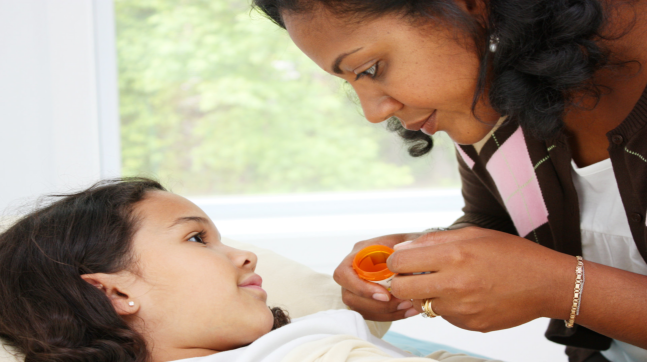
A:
185	219
338	60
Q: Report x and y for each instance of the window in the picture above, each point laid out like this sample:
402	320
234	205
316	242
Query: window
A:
216	100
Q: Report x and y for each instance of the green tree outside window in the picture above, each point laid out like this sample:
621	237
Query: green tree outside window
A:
215	99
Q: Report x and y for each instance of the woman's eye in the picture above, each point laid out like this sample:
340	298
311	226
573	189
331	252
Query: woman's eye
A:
371	72
198	238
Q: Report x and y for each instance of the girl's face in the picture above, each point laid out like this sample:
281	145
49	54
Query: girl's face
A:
418	73
195	295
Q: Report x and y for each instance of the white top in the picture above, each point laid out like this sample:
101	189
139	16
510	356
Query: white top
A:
275	345
606	236
334	335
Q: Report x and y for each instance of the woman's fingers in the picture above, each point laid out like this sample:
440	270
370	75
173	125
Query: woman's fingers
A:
435	306
427	258
439	237
371	300
417	304
346	276
420	286
430	251
378	311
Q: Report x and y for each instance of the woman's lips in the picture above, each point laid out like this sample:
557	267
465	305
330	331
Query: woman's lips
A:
426	125
430	126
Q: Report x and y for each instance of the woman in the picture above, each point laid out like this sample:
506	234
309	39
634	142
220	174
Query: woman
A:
125	271
546	102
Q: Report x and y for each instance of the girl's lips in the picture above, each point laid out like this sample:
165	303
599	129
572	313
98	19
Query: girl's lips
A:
253	282
430	125
256	287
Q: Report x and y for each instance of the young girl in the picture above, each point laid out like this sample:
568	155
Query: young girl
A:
126	271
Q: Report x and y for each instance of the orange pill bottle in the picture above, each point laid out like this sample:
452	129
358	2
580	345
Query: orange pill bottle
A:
370	265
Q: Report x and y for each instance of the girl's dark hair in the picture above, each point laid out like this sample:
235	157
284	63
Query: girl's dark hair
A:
546	56
281	317
47	311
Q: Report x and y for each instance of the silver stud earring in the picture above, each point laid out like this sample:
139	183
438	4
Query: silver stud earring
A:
132	304
494	43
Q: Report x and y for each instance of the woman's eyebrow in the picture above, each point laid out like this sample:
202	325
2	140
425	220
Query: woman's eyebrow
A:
186	219
338	60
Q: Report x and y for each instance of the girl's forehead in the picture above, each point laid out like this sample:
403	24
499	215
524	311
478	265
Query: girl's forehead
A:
161	207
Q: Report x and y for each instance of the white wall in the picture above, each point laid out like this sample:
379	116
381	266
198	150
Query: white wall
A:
57	90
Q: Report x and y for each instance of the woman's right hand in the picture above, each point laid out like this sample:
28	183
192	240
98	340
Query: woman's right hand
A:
372	301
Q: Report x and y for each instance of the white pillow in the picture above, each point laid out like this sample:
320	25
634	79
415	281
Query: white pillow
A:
289	285
7	354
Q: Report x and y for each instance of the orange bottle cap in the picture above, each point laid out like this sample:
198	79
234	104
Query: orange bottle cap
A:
370	263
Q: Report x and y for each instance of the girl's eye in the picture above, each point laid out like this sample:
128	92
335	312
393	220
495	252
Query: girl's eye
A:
198	238
371	72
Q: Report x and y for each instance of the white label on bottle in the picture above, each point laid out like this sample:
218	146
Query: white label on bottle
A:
386	283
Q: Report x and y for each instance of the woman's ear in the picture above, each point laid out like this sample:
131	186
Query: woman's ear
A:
114	286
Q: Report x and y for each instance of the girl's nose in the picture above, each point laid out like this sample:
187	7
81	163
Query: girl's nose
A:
244	259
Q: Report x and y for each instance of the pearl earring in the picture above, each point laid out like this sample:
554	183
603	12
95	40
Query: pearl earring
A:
494	43
131	303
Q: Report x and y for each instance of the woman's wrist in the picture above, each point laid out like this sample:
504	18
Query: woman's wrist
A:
559	291
577	292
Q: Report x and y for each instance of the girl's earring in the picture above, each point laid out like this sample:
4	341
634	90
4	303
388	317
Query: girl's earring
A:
494	43
131	303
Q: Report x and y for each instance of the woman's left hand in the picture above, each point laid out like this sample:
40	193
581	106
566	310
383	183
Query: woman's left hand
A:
484	280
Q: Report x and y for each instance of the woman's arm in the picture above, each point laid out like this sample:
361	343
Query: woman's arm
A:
486	280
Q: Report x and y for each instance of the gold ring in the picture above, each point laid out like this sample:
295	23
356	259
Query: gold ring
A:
428	312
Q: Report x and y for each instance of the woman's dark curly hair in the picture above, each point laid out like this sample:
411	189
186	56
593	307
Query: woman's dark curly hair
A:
546	56
47	311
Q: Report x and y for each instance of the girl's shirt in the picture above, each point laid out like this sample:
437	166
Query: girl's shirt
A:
335	336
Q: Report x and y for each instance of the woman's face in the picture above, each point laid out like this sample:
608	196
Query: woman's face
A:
420	74
194	293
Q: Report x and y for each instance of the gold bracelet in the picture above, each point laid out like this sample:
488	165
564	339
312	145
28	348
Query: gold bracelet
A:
577	293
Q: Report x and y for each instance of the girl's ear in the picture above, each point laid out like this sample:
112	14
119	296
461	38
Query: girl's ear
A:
114	287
